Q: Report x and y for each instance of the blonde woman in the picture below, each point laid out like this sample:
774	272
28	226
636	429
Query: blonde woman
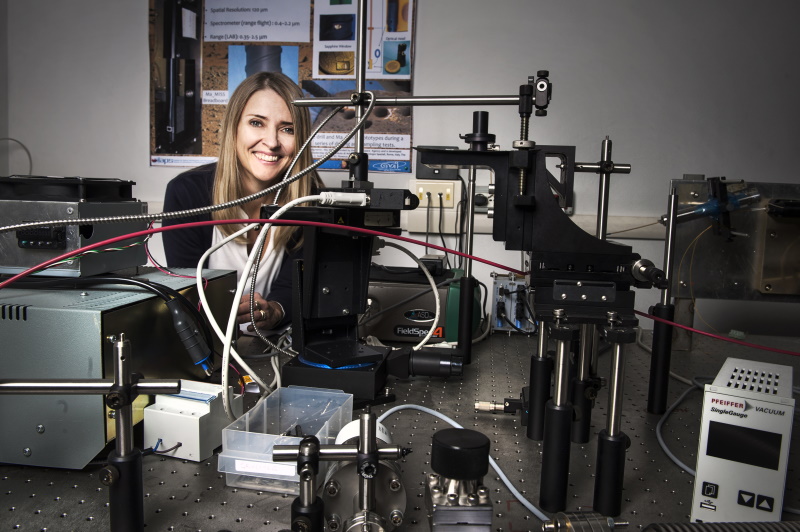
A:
261	134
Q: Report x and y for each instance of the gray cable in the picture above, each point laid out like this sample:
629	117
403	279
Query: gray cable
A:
201	210
27	151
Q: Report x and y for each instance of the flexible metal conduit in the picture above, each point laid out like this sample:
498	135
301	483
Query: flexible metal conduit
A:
724	527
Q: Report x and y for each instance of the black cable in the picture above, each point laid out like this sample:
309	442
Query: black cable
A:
163	451
441	230
166	293
505	318
66	281
427	220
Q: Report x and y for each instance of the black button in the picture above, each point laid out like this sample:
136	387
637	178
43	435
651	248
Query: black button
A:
765	503
710	490
746	498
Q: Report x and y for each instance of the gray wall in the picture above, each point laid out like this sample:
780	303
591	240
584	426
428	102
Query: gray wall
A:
680	87
4	145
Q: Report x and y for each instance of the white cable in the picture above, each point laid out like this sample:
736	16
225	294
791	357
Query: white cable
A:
525	502
237	297
215	326
424	269
660	424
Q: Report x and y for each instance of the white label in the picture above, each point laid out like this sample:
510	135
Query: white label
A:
189	24
258	20
264	468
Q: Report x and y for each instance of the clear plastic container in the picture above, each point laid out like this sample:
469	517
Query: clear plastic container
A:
282	418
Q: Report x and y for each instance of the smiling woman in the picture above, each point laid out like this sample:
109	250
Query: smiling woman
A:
261	133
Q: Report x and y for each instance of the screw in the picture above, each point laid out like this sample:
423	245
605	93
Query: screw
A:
397	517
395	485
603	298
563	296
26	451
40	429
332	488
452	498
326	290
333	522
70	210
345	312
768	287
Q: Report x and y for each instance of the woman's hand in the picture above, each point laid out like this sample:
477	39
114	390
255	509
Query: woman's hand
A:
267	314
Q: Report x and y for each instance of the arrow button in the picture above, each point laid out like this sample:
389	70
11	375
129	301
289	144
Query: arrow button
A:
765	503
746	498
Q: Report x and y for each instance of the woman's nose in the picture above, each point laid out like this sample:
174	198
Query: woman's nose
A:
270	139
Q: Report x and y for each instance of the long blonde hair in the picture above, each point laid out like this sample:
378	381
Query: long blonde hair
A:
228	183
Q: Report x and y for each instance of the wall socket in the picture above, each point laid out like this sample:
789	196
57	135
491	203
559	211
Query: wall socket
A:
422	187
422	219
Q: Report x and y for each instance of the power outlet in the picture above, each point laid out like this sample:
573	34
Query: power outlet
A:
427	219
435	187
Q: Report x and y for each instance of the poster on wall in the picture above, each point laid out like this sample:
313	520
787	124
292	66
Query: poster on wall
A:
200	50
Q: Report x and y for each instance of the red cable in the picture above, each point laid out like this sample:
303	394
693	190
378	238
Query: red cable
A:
717	337
146	232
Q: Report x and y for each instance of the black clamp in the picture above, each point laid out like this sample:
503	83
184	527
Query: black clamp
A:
367	464
309	454
124	395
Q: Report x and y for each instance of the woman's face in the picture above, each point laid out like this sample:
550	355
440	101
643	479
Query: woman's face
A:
264	140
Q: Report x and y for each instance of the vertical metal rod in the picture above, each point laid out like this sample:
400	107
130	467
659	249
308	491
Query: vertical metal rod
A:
585	359
307	486
470	221
595	351
605	185
615	390
361	70
561	376
124	415
669	245
367	444
543	338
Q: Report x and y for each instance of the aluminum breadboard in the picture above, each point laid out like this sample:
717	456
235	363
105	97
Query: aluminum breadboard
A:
188	496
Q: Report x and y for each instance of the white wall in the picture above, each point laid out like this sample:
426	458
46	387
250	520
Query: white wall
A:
680	87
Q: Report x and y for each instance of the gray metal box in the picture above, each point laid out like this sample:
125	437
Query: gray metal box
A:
15	258
61	334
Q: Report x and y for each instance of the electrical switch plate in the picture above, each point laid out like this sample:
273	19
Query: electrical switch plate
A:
425	218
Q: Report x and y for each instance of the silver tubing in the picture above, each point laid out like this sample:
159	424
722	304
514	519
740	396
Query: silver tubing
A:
124	415
543	337
83	387
585	360
470	220
367	444
615	390
361	71
307	485
413	100
595	167
669	245
605	186
561	376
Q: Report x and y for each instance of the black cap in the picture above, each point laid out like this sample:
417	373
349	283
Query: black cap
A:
460	454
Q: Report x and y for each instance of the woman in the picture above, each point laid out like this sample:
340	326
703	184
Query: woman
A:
261	134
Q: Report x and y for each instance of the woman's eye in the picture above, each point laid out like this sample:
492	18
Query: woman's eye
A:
289	130
255	123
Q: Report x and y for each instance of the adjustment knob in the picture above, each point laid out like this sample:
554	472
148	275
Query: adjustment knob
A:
460	454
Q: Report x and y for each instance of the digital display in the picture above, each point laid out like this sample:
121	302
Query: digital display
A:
744	445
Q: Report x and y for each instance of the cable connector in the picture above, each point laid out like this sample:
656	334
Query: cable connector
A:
193	341
359	199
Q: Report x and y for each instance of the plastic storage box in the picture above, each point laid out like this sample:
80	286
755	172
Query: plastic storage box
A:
282	418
